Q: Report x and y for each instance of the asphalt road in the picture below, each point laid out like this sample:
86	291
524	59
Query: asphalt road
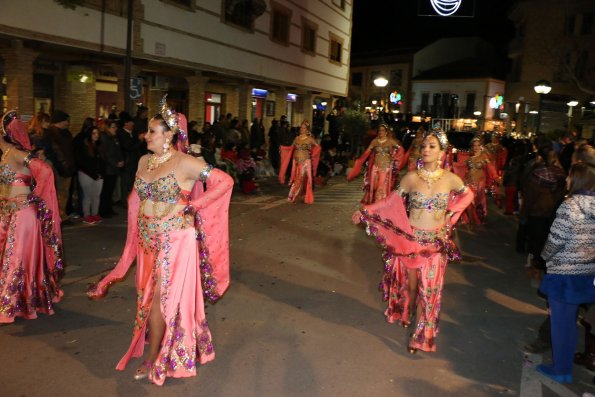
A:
303	316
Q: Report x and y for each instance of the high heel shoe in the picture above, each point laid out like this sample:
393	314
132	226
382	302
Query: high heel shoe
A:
411	350
142	372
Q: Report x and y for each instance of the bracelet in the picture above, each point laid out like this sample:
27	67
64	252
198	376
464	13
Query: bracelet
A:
461	190
449	213
27	159
204	174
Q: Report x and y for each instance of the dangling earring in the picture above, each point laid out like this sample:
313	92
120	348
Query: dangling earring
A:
166	146
439	161
419	163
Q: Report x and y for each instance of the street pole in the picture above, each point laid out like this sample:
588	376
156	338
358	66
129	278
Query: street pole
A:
128	59
538	126
541	87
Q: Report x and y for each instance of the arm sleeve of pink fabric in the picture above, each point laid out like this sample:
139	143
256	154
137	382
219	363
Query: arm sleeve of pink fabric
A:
406	158
212	225
492	174
286	152
460	167
459	201
316	149
48	214
502	156
387	221
399	156
118	273
358	165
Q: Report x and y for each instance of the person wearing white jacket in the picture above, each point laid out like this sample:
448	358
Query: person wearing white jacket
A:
570	261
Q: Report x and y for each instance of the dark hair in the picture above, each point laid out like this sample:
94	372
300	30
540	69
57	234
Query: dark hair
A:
161	120
87	124
585	153
35	123
582	177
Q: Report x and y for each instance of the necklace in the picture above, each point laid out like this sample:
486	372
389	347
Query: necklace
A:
5	154
155	161
430	176
382	140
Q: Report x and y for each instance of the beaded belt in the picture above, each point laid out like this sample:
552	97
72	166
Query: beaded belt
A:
429	234
9	206
150	226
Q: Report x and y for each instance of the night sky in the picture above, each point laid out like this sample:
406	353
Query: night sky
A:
394	24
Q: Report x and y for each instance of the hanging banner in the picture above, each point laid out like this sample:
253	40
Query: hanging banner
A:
446	8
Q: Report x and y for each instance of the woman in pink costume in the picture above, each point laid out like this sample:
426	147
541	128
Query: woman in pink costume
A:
480	174
497	153
30	238
414	225
384	156
178	234
414	152
305	152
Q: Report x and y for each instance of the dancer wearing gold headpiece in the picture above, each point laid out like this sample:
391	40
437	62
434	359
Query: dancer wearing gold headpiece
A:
178	234
385	157
305	153
414	226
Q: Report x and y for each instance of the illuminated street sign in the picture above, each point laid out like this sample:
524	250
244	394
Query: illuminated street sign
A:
497	102
446	8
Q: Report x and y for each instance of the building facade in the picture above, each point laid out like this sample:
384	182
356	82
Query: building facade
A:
461	104
395	68
250	58
554	41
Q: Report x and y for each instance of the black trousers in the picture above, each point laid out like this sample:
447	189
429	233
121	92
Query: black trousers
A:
107	192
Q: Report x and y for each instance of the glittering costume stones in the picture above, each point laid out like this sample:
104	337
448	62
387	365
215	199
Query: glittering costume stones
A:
184	256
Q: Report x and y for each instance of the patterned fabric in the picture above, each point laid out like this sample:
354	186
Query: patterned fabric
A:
570	246
164	189
10	178
181	266
549	176
436	202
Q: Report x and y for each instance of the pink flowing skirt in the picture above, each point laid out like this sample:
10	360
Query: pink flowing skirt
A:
380	185
26	285
301	182
430	272
478	208
169	255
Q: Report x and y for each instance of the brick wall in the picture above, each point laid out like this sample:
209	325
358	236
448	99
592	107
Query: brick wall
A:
18	70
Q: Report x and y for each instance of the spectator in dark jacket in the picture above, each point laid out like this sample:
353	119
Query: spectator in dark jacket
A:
566	151
131	150
274	155
114	161
60	153
90	173
543	191
257	138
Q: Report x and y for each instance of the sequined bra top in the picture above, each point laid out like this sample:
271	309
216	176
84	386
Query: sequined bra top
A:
164	189
476	164
433	203
383	149
303	146
10	178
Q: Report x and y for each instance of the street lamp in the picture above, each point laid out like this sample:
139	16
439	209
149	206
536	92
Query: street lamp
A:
542	87
381	82
571	104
